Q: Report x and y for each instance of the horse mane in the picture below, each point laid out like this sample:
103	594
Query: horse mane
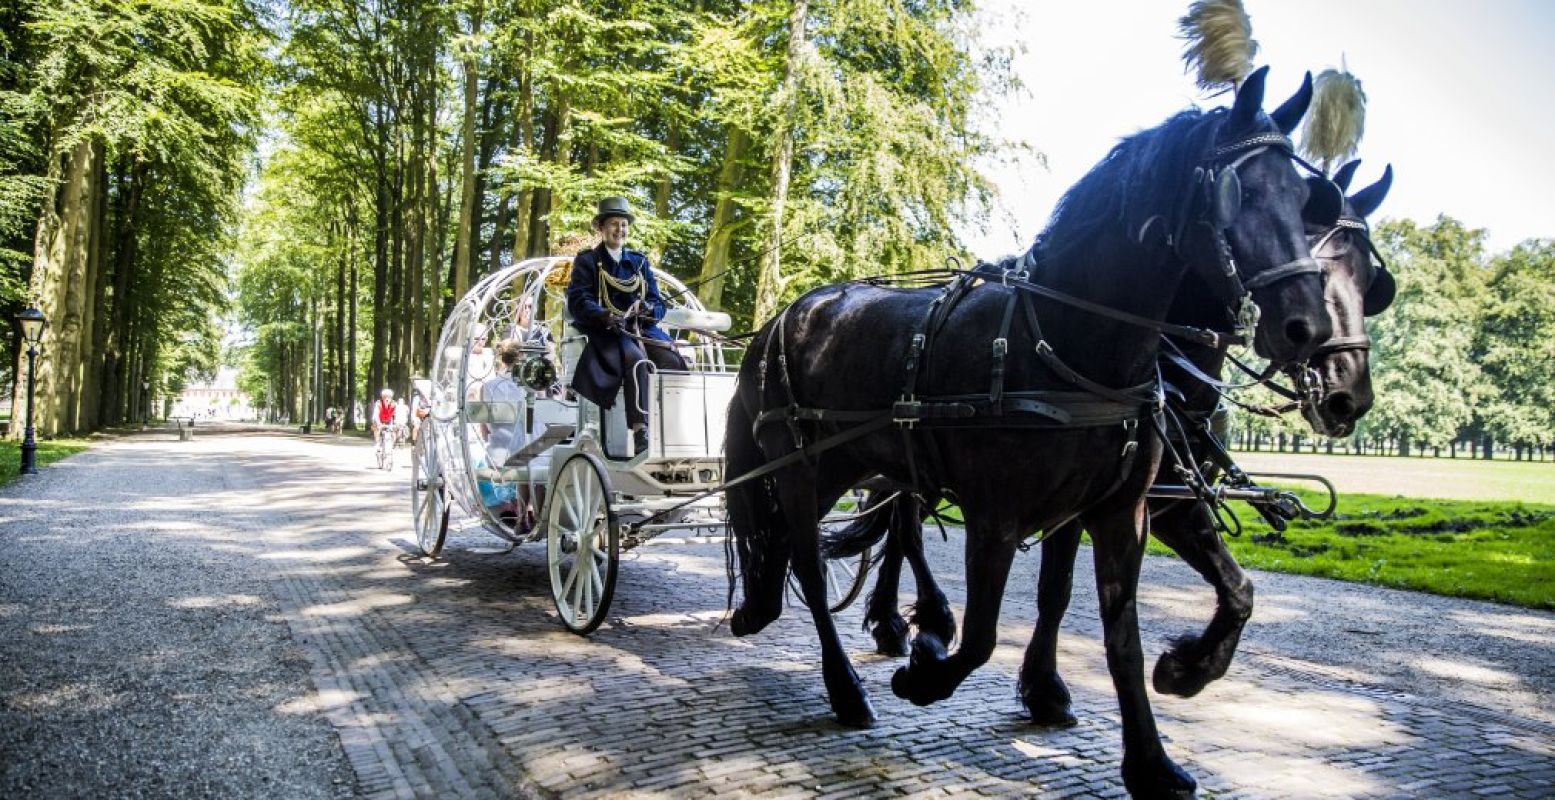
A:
1145	175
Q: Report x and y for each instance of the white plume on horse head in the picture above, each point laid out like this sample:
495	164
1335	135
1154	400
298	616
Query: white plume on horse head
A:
1337	119
1220	43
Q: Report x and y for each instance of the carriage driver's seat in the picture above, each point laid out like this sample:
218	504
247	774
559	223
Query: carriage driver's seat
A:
613	428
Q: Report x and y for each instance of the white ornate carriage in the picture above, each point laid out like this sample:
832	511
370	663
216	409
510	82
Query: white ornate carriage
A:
493	438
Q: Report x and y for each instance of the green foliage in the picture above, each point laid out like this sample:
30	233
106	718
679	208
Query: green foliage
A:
1515	346
164	93
1425	378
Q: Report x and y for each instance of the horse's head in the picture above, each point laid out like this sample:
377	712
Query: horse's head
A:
1338	378
1248	233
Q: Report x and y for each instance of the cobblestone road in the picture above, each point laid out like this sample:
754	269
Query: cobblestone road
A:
452	677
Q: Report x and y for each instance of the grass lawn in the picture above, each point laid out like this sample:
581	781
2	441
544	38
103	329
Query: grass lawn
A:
48	452
1446	478
1484	549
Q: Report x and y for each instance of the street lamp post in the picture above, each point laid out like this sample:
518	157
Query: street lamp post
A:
31	323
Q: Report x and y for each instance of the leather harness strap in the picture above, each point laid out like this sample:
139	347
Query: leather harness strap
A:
1093	405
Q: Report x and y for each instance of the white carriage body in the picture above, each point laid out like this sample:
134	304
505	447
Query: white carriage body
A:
686	409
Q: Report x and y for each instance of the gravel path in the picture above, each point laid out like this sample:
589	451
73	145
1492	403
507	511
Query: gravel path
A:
245	616
142	652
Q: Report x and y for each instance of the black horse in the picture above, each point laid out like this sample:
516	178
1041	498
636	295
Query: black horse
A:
1356	288
1214	193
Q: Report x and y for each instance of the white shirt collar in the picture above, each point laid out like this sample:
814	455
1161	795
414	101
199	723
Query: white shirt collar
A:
616	253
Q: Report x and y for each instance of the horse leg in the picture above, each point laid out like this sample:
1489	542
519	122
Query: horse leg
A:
849	700
882	617
931	675
1193	661
932	610
1041	690
1118	536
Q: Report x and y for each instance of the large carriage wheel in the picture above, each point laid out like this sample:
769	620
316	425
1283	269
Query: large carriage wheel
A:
582	543
428	496
844	580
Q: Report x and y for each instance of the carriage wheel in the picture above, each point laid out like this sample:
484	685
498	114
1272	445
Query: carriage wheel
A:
428	498
582	543
844	581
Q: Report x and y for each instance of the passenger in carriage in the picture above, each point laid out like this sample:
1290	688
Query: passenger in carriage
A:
533	336
614	298
503	439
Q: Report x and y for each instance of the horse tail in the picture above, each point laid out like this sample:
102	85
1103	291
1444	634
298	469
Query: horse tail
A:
871	525
756	552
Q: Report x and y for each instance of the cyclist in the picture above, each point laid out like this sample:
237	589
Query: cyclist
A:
384	421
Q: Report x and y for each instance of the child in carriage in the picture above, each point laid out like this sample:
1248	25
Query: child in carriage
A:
512	505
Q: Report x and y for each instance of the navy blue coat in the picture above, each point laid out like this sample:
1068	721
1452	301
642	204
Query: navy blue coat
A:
604	362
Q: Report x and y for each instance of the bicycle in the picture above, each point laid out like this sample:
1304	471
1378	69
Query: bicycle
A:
388	436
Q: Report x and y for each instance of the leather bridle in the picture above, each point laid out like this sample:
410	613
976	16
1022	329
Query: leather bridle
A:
1216	182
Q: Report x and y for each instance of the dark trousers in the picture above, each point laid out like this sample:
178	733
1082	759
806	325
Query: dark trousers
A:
662	354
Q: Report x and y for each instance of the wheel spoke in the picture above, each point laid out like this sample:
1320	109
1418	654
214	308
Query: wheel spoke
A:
569	502
834	589
572	578
577	497
594	577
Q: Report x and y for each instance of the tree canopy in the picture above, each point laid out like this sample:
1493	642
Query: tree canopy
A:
327	176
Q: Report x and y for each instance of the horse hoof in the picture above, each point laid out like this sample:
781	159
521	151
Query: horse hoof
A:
858	718
890	640
741	623
904	686
1053	717
1046	699
1165	780
1173	675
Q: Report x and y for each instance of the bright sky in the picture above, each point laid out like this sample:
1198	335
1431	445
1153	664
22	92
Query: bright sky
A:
1461	99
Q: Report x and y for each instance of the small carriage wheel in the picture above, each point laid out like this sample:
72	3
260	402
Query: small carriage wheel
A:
428	498
844	580
582	543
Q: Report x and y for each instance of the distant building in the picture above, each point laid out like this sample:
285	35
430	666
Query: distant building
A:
218	399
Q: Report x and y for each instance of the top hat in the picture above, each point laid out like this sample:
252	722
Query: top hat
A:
614	207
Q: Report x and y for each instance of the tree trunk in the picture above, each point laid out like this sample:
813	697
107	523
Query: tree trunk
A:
521	141
557	119
377	367
94	334
351	327
462	255
60	256
342	378
769	281
415	243
720	234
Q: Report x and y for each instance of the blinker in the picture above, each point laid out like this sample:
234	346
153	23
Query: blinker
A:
1227	199
1379	295
1325	202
